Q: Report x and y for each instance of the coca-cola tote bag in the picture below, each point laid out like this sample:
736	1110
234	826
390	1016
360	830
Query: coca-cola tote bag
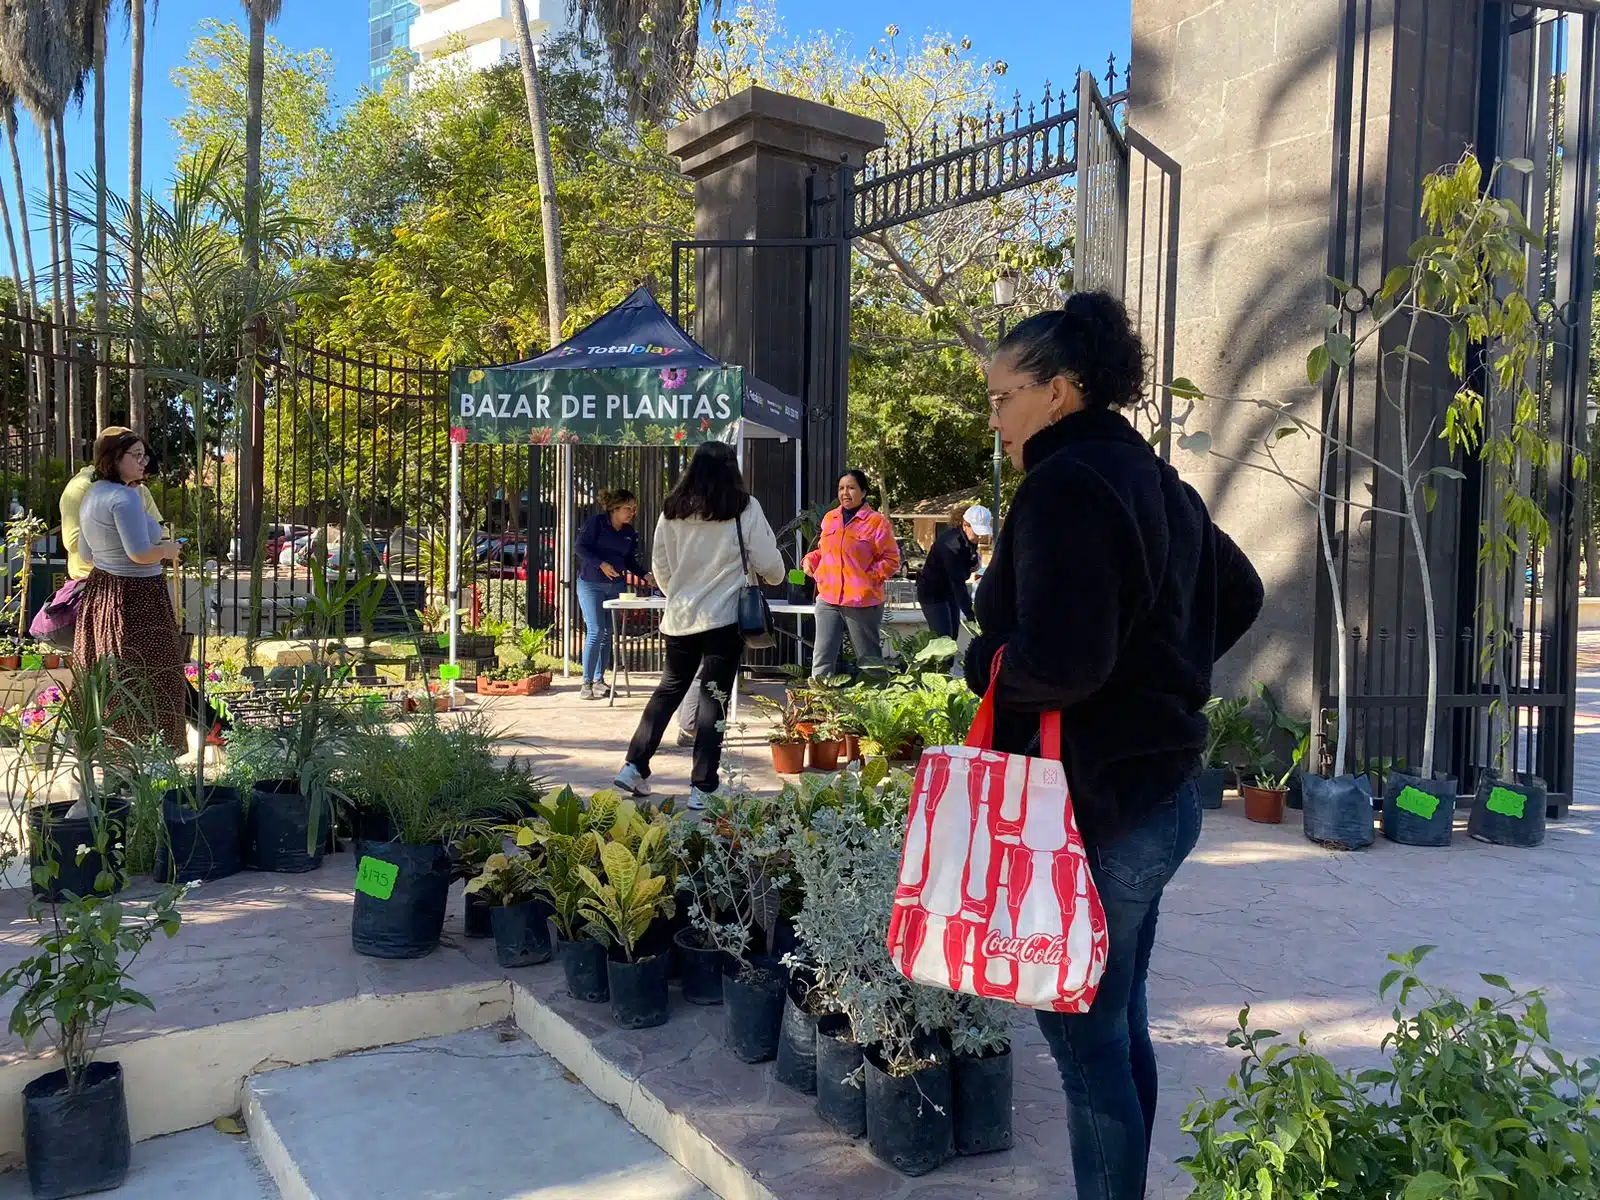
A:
995	896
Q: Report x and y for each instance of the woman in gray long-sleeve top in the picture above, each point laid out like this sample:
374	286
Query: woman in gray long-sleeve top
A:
126	614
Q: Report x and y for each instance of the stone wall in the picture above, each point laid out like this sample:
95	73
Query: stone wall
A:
1291	170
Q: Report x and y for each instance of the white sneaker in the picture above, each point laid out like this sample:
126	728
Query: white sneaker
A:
601	691
697	799
629	780
586	692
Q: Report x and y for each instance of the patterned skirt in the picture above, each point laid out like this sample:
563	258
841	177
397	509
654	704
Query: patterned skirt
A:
131	622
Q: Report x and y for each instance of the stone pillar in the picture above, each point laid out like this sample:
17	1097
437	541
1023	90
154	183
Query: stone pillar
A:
1302	131
771	308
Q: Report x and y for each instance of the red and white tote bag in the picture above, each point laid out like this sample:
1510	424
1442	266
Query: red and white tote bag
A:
995	895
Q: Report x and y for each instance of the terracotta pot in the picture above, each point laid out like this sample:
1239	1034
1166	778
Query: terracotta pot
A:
852	748
10	662
788	758
825	755
805	728
51	661
1264	805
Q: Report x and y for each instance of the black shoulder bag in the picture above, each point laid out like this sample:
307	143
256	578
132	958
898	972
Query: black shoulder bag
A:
755	615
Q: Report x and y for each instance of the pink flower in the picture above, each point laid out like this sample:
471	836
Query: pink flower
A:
539	437
458	434
674	377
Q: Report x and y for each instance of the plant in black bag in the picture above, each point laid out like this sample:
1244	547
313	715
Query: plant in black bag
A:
620	908
83	748
75	1119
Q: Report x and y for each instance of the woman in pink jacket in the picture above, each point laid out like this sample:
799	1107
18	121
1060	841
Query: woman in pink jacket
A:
855	556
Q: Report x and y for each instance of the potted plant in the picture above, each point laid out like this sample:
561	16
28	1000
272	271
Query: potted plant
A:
625	898
735	877
569	835
75	1118
10	654
1226	729
702	964
849	860
518	915
978	1033
76	845
417	793
294	798
469	854
514	679
1266	787
787	738
826	745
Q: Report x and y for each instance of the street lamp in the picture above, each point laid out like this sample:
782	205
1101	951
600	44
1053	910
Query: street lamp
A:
1005	295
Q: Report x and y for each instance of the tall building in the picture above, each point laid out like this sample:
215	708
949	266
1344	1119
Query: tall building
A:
388	30
479	32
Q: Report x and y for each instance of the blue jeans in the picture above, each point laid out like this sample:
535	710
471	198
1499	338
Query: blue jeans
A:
596	626
1106	1060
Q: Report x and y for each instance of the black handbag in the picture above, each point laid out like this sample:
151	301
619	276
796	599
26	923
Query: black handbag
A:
755	615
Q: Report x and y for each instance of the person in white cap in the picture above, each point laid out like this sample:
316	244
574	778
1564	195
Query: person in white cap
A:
942	586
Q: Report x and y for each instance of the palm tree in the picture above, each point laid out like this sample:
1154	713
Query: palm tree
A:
554	275
42	61
95	15
33	346
253	418
138	415
651	45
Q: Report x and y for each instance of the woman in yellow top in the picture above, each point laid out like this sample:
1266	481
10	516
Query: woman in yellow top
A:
72	503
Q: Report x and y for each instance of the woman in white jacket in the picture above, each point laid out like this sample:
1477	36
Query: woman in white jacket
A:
697	563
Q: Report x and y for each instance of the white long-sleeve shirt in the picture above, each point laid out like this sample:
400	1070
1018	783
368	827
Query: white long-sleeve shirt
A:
696	563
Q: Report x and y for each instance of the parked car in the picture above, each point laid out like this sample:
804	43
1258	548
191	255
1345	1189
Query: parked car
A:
298	553
501	556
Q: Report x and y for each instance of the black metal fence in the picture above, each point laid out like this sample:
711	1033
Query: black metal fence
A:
1515	81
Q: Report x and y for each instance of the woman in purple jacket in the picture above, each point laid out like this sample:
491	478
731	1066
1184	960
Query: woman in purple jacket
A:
608	548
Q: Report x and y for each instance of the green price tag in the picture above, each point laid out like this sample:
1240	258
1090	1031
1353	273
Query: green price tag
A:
1415	800
450	671
444	641
1508	803
376	878
797	577
33	662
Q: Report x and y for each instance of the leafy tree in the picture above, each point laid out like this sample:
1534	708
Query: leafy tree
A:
295	108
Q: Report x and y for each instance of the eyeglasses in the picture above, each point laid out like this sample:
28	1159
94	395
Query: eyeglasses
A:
997	399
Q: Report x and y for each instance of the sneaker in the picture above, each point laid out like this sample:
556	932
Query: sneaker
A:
685	739
631	781
697	799
601	691
586	692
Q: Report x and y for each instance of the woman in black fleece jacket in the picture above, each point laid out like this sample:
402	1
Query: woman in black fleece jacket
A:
1112	595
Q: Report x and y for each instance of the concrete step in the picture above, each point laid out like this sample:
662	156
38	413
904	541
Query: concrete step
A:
201	1164
481	1115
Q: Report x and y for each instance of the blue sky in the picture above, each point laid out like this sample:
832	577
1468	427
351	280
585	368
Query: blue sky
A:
1038	39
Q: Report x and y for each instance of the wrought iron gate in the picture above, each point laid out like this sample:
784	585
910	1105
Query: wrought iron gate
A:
1534	96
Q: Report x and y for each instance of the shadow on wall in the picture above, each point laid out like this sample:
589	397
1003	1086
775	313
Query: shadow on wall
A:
1244	95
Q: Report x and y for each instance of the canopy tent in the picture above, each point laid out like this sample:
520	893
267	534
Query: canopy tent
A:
631	377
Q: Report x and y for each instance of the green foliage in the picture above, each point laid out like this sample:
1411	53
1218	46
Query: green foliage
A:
733	866
78	972
438	781
1471	1101
297	89
621	907
1228	728
506	879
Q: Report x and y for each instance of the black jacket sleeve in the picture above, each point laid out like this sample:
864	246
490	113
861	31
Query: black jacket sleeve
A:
1074	589
1239	594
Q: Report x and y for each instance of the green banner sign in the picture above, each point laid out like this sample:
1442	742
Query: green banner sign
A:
632	406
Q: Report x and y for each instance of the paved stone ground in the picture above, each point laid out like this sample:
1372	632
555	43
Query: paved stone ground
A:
1258	915
368	1125
201	1163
